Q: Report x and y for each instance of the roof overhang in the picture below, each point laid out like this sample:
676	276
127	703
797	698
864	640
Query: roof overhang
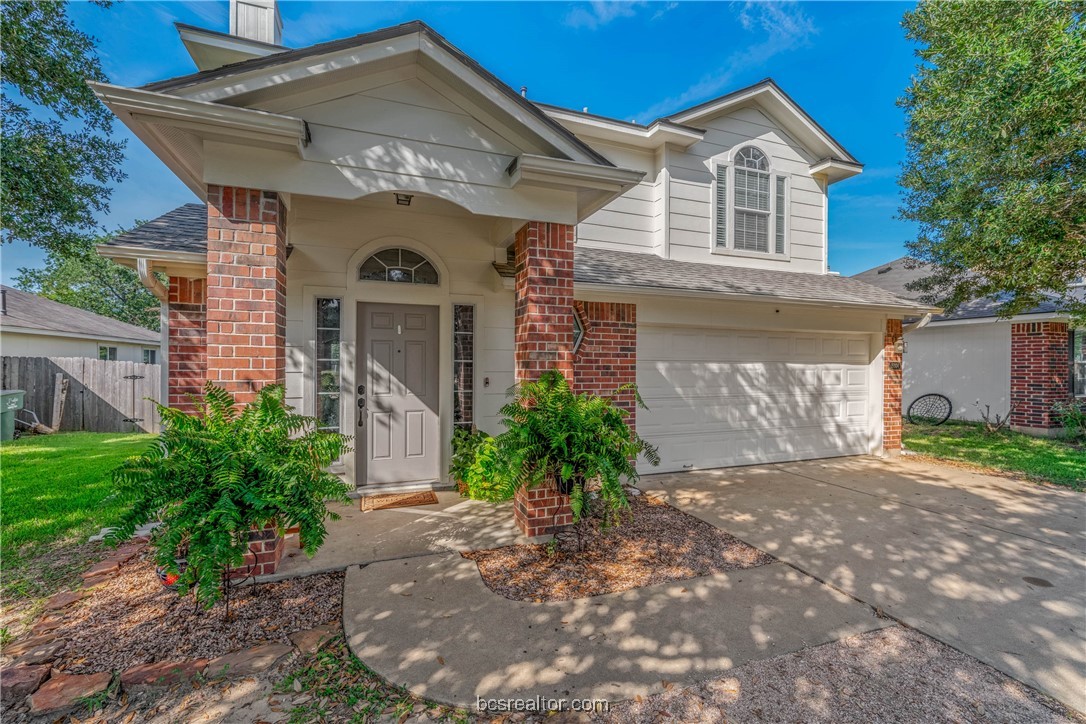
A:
187	264
595	185
211	49
834	169
650	137
175	128
11	329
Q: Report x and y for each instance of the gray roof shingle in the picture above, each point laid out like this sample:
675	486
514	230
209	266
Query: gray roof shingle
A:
602	266
893	276
183	229
29	311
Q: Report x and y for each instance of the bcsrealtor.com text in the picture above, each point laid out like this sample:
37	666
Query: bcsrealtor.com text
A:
541	704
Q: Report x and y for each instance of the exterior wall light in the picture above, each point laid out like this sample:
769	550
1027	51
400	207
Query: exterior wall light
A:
403	199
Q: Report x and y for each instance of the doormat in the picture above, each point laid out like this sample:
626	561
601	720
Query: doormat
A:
397	500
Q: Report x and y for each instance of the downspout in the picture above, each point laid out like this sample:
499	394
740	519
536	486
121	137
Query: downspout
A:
918	324
143	268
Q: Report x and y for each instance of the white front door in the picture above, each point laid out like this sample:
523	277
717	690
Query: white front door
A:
721	397
399	436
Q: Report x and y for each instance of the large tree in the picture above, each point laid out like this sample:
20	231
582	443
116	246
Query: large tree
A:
82	278
995	171
57	160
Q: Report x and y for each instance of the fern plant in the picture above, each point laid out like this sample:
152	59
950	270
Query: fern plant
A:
212	477
555	435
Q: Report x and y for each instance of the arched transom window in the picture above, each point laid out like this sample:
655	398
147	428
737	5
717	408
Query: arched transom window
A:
752	217
398	265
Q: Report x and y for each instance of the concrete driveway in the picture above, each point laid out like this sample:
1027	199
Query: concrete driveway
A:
989	565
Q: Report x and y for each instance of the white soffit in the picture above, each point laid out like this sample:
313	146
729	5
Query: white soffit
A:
210	49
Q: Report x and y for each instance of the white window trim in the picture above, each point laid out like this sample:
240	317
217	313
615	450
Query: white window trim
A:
728	162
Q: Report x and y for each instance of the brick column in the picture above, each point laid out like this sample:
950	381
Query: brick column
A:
543	287
543	340
607	356
266	548
1040	374
186	342
891	388
246	290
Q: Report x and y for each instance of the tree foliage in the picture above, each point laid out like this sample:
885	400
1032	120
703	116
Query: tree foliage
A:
995	171
212	477
82	278
58	158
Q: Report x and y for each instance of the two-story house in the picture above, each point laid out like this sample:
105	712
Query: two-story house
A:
398	236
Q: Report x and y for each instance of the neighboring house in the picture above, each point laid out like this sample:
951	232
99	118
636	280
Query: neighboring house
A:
398	236
33	326
972	356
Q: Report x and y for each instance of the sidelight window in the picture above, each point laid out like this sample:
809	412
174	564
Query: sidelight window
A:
327	362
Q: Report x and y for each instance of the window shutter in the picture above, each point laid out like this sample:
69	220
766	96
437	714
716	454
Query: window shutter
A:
781	215
721	202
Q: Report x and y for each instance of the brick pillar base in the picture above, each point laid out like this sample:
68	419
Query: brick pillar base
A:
541	510
186	342
1040	375
891	389
265	551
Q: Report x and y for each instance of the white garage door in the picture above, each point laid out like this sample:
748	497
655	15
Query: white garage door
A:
723	397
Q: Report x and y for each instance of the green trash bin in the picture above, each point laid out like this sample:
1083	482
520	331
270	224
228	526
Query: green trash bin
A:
11	401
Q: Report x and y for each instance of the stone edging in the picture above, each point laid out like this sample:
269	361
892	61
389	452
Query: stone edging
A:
30	679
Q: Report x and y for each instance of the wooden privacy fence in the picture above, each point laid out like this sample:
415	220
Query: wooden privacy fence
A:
103	396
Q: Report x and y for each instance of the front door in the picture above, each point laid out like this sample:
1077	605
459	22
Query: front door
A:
399	436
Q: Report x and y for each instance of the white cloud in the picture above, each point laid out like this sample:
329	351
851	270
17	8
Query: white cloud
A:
601	12
782	27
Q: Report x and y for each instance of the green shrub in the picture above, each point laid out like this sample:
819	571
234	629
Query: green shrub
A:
1072	414
212	477
554	435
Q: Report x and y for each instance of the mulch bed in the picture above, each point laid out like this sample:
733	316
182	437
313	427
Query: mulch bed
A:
132	619
657	544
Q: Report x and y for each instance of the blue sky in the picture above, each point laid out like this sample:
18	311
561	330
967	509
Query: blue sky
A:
845	63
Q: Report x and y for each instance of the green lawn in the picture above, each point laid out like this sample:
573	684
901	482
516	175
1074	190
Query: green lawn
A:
1039	459
54	492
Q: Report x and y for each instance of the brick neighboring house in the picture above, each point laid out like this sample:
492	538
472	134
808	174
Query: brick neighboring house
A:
1031	361
398	237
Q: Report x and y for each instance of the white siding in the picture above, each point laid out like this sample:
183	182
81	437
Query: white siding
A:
965	362
691	193
18	344
670	212
633	221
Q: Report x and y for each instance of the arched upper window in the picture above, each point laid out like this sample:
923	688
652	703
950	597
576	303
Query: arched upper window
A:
398	265
751	205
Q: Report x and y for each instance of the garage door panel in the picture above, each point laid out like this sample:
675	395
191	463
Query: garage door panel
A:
719	397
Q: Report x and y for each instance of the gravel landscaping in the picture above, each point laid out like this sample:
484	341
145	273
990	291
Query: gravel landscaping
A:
892	675
657	544
132	619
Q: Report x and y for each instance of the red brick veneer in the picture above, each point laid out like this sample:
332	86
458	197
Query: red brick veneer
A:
543	340
891	388
266	548
607	356
246	290
1040	373
186	342
543	288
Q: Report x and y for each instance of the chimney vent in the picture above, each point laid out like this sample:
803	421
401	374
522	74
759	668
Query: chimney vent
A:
524	91
256	20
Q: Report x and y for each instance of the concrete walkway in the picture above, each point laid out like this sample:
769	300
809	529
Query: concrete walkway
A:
431	625
358	539
991	566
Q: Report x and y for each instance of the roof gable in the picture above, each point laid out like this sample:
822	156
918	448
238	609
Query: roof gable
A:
779	105
264	82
